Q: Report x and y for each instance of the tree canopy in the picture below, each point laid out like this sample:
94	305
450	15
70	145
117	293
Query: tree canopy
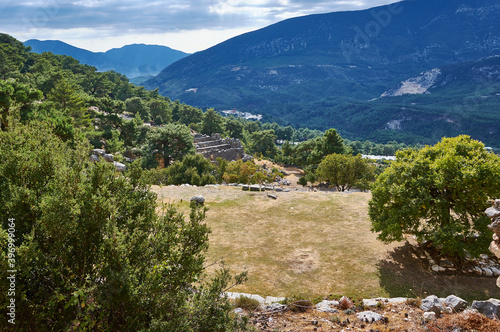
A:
438	193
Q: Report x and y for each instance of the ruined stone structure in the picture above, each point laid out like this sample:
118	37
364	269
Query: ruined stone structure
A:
213	147
494	213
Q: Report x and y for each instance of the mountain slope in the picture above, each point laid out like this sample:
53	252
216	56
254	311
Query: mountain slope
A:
130	60
300	69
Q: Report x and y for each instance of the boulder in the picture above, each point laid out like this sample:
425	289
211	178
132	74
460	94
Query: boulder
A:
272	196
455	303
99	152
488	308
432	303
369	317
94	158
108	157
326	306
119	166
255	187
198	199
429	316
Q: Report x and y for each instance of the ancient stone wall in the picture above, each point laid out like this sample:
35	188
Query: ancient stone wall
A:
213	147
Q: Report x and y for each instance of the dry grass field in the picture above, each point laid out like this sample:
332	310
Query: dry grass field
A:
314	244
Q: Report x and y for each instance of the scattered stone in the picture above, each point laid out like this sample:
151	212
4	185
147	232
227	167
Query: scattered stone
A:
94	158
370	302
369	317
99	152
238	310
255	188
429	316
496	272
272	196
456	303
109	157
487	272
119	166
245	187
488	308
274	307
432	303
278	189
326	306
477	270
437	268
198	199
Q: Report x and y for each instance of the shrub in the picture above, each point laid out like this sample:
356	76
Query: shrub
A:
92	253
345	303
246	303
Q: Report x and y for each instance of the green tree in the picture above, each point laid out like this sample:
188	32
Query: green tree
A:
168	143
438	193
137	105
66	98
160	111
212	122
13	97
193	169
92	252
189	114
345	171
263	142
233	127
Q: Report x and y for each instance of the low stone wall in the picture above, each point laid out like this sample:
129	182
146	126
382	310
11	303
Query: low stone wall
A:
494	213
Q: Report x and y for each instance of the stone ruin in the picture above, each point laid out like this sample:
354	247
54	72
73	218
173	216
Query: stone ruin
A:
494	213
213	147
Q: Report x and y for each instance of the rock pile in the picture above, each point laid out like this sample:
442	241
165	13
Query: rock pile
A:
494	213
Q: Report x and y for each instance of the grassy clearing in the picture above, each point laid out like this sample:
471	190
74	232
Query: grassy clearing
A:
313	244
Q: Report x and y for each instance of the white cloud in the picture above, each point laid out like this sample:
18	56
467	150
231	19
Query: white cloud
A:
192	24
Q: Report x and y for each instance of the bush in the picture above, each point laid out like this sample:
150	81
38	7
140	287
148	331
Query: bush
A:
246	303
92	253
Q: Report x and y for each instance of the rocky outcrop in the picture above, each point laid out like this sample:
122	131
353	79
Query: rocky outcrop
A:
494	213
213	147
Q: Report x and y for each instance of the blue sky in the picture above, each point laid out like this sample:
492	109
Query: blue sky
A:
186	25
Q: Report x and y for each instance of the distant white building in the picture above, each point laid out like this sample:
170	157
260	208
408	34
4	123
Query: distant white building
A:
372	157
246	115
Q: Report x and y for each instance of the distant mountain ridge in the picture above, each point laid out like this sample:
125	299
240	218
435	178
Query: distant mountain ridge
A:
130	60
302	70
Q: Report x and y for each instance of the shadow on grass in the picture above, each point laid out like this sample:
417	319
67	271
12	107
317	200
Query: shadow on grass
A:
404	274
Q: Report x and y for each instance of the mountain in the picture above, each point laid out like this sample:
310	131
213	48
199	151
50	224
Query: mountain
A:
307	70
130	60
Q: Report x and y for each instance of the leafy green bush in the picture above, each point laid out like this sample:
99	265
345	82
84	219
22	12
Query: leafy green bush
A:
92	252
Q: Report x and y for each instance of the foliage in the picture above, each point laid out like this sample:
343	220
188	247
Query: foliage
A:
193	169
263	142
246	303
438	193
92	252
345	171
15	96
212	122
168	143
248	173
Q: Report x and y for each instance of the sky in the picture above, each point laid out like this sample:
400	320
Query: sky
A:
186	25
